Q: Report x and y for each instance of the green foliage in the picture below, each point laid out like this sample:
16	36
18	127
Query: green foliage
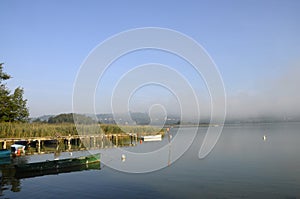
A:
140	118
69	118
12	106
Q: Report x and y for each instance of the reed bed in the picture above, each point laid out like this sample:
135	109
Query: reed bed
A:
23	130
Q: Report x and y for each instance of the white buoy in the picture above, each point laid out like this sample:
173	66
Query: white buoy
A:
264	137
123	157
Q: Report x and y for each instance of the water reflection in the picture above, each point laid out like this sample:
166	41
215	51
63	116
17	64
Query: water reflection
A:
8	180
11	175
57	146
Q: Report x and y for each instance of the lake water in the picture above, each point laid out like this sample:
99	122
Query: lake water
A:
241	165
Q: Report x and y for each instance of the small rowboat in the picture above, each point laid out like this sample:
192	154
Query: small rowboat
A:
58	164
151	138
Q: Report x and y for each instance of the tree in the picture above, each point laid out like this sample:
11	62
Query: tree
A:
19	110
12	106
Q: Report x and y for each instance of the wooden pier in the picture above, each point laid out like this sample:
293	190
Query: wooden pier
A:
87	141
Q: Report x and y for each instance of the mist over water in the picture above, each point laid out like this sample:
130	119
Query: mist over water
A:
274	97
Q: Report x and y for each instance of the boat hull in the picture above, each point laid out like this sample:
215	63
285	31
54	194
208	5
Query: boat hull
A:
5	153
58	164
21	174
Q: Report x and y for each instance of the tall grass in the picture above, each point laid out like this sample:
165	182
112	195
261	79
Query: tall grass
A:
23	130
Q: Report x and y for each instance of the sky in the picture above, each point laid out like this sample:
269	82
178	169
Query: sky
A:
254	44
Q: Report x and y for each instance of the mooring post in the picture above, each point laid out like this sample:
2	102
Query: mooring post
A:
116	140
112	140
79	142
57	145
4	144
91	142
136	138
69	143
39	146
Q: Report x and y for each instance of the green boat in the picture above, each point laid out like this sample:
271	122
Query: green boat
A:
20	174
55	165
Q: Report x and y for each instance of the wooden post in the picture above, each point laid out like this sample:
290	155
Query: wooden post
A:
39	146
4	144
57	145
80	143
69	143
111	140
116	140
90	143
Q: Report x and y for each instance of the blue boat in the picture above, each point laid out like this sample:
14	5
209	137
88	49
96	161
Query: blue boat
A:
4	153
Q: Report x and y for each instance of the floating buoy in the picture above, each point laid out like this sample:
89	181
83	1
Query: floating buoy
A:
123	157
264	137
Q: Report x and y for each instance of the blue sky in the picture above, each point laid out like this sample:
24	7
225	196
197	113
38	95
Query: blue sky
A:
255	45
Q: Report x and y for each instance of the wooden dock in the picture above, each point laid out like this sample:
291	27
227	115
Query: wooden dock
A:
88	141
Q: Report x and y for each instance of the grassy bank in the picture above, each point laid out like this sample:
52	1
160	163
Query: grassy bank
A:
23	130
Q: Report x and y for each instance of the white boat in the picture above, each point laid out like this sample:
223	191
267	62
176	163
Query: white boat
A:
151	138
17	149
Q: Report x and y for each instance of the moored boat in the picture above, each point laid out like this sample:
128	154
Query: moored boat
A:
4	153
152	137
58	164
17	149
20	174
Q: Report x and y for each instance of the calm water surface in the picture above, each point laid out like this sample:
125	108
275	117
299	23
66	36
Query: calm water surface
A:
242	165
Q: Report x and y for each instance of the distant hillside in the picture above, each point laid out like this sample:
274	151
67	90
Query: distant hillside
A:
43	118
69	118
138	118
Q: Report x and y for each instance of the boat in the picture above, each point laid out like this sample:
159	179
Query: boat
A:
55	165
20	174
17	149
4	153
22	142
146	138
